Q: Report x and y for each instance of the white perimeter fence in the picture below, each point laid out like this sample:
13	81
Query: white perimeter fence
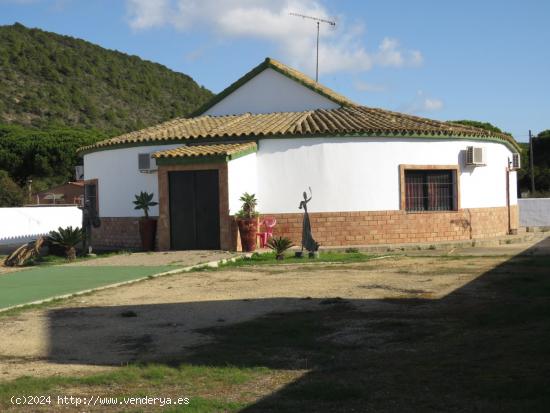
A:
534	212
20	225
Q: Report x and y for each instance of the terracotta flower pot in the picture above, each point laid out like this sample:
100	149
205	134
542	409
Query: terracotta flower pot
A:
248	228
147	232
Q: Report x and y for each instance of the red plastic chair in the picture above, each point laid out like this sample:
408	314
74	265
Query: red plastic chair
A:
268	224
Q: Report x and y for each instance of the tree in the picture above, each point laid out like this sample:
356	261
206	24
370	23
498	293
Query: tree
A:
476	124
11	195
544	134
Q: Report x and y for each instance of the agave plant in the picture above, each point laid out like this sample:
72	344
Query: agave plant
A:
279	245
248	208
67	238
144	201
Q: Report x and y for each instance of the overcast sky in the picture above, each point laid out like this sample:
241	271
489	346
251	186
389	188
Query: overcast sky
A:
484	60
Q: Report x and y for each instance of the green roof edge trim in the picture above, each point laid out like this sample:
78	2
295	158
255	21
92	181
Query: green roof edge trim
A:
266	64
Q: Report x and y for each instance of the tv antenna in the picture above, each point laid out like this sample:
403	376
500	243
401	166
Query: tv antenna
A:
318	21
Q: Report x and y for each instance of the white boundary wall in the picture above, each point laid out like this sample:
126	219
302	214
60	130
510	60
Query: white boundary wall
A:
19	225
534	212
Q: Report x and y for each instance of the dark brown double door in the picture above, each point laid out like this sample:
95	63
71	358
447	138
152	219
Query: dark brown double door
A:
194	210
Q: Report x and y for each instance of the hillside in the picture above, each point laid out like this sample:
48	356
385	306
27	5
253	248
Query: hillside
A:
51	80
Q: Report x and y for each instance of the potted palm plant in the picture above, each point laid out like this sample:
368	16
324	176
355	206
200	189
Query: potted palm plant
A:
279	245
66	238
247	220
147	225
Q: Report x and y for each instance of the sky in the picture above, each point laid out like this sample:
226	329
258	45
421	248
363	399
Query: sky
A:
482	60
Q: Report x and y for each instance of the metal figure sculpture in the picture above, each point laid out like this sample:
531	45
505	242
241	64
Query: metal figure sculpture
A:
307	238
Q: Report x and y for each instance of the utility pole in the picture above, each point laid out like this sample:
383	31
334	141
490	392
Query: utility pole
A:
531	163
318	21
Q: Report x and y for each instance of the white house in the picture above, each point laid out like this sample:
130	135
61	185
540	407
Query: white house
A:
376	176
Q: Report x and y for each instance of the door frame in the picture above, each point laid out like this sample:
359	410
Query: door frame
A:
163	226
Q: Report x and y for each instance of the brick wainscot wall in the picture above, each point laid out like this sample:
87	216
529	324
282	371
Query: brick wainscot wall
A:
117	233
388	227
340	228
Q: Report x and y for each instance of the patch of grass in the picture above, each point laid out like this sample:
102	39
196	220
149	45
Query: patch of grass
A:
269	259
141	380
200	404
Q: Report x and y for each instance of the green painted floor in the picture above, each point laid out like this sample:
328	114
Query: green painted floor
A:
40	283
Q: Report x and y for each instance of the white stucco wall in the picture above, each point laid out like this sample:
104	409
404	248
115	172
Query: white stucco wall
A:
242	177
362	174
269	92
119	179
345	174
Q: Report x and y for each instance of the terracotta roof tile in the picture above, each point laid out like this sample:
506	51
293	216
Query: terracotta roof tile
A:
350	120
206	150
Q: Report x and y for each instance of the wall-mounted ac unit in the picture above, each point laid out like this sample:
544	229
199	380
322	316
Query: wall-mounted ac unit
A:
475	156
516	162
146	164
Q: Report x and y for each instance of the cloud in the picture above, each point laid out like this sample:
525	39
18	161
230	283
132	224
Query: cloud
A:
423	104
145	14
369	87
341	48
430	104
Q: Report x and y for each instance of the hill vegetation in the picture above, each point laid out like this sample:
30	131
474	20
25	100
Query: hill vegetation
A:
51	80
482	125
58	93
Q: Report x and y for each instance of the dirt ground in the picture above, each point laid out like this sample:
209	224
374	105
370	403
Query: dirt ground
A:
158	319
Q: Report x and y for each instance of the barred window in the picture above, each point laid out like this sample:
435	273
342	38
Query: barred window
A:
430	190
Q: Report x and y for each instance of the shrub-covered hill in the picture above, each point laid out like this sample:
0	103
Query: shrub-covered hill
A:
51	80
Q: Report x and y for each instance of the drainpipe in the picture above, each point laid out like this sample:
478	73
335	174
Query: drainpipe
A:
510	230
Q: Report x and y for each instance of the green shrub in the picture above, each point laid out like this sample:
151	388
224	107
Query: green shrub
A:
67	238
279	245
144	201
248	208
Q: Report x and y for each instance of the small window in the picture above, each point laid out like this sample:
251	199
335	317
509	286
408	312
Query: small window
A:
430	190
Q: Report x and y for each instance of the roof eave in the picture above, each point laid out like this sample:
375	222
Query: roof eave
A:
266	64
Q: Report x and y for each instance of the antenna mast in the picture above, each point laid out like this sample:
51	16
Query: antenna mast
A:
318	21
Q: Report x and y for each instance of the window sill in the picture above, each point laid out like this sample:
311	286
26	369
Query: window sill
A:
433	212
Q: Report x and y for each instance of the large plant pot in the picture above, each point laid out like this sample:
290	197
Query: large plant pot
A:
147	232
248	228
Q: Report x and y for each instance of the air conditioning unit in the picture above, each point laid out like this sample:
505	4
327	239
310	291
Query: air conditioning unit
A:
146	164
475	156
516	162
